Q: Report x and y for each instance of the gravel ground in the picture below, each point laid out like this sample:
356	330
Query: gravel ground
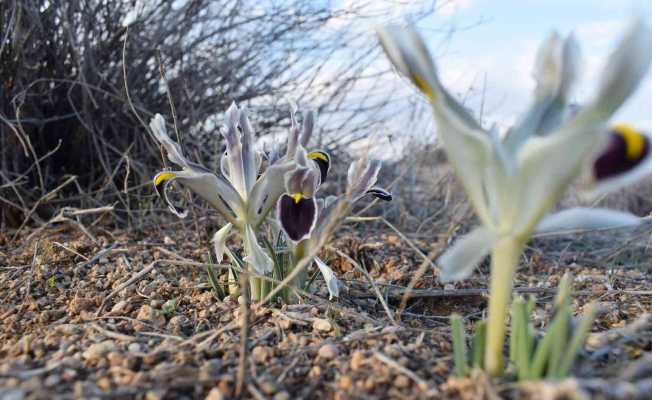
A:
74	327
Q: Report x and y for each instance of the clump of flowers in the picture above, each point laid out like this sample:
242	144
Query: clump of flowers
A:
266	198
514	180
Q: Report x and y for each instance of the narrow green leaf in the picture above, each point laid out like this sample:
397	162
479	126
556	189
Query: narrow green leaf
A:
564	289
560	338
543	350
515	324
479	340
213	280
312	279
459	345
578	339
523	352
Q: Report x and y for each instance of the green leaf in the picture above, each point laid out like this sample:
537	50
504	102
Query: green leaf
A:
479	340
544	349
213	280
560	338
169	307
579	337
459	345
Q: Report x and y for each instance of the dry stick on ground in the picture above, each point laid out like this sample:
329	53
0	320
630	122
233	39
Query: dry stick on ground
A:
380	297
140	274
423	385
43	198
334	306
241	378
99	255
427	259
63	216
397	293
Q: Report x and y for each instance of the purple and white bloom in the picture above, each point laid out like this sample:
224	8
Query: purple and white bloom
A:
243	194
513	181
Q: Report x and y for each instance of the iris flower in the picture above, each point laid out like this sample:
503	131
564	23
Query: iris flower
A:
304	218
514	180
243	194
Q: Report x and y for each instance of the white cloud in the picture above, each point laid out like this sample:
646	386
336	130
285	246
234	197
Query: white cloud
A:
447	8
509	82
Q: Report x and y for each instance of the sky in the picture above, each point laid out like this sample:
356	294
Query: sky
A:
488	59
497	40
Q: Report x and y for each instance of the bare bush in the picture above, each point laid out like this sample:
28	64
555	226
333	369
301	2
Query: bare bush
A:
64	108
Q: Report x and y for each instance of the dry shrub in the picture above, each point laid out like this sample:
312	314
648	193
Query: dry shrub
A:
63	102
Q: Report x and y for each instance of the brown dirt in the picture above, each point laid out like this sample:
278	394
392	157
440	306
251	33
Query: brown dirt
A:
166	336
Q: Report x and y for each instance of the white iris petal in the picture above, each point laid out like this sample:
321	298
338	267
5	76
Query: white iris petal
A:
332	283
459	261
586	218
219	241
255	255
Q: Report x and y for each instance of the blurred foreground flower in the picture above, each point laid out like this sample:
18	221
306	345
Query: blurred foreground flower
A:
515	180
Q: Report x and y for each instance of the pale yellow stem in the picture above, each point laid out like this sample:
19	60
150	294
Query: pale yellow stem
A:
256	285
504	259
300	280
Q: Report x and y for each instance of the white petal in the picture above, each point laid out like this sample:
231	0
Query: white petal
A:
234	150
549	164
362	176
308	126
555	71
159	129
295	131
459	261
586	218
249	156
130	18
219	242
215	190
267	190
409	55
332	283
255	255
625	69
557	66
408	52
468	147
199	179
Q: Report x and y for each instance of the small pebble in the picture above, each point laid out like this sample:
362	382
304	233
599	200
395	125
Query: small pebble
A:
99	350
134	348
260	354
215	394
322	325
282	396
327	352
119	308
357	360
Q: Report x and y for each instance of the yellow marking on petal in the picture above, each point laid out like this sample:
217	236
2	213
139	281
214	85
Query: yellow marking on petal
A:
317	155
423	86
163	176
634	141
297	197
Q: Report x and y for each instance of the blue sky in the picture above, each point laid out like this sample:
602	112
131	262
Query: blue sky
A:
501	43
488	59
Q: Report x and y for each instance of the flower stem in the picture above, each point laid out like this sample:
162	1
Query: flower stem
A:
256	286
504	259
298	282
